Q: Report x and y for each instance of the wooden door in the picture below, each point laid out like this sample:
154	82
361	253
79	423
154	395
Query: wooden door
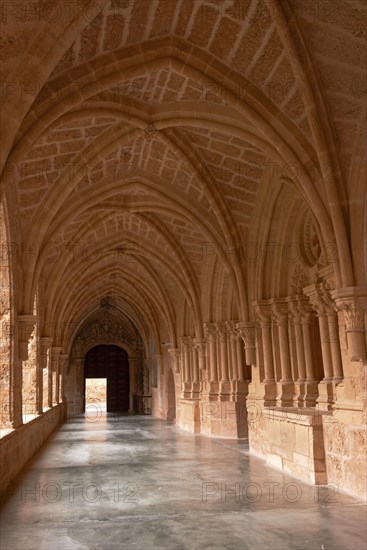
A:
111	362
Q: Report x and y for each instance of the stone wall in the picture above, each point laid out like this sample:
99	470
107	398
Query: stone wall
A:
345	452
346	438
18	446
188	417
290	440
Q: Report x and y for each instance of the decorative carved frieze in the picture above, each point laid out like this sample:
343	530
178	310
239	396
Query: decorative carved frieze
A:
109	328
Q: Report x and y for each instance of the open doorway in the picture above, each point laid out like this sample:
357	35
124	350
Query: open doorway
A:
96	392
110	364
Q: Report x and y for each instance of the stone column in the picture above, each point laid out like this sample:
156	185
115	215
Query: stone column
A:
233	336
211	336
225	386
26	326
195	386
211	332
55	352
335	347
160	366
247	331
306	314
240	359
133	367
222	335
267	389
352	303
306	317
320	298
186	344
195	364
79	395
264	316
50	397
175	354
63	365
200	344
45	346
285	385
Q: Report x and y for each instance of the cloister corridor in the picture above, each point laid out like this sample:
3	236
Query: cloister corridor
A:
111	482
183	231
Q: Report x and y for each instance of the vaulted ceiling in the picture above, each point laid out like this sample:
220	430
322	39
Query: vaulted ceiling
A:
138	137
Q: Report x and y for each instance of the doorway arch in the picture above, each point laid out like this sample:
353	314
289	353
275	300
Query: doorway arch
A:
112	363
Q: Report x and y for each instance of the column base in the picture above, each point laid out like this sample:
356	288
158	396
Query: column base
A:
187	390
189	415
225	419
214	390
269	393
195	390
327	394
225	390
306	393
285	393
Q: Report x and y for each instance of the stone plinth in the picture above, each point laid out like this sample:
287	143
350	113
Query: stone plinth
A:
227	419
189	415
18	446
289	439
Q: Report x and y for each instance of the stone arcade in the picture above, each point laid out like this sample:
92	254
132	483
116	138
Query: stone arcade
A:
186	180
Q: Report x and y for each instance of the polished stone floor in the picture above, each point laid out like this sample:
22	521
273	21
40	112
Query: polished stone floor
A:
108	482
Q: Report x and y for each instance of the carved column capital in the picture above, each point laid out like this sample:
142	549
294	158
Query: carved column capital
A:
174	352
26	325
294	312
319	294
222	332
200	345
263	313
186	343
210	330
231	330
247	332
45	344
305	310
55	351
352	302
280	311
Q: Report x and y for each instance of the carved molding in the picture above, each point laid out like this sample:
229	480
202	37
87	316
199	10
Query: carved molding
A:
107	328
